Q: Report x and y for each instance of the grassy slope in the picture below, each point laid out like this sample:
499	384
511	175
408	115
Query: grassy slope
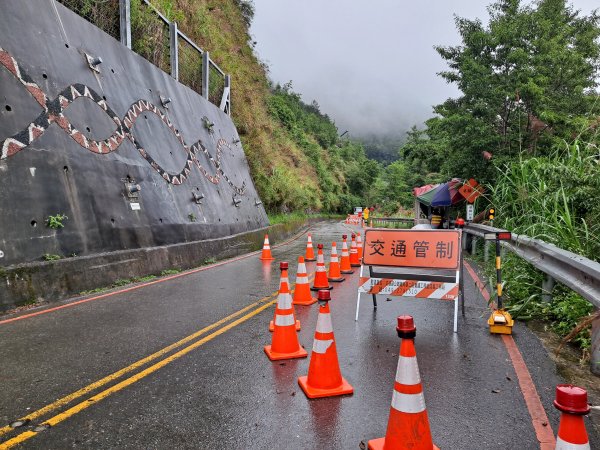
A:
280	169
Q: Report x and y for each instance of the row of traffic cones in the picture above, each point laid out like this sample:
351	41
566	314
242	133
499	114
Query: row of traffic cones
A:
324	377
348	260
408	423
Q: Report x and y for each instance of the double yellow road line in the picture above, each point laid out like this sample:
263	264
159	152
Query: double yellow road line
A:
221	326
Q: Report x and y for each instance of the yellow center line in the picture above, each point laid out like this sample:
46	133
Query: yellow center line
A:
129	381
95	385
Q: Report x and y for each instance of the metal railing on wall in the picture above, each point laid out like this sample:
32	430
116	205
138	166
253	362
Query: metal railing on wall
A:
578	273
162	43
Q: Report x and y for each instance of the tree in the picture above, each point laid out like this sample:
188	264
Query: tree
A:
526	79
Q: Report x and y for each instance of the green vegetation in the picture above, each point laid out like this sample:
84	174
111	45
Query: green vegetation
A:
51	257
56	221
553	198
169	272
192	217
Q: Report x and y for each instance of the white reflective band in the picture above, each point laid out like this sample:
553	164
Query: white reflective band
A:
302	280
334	259
309	244
408	370
320	346
562	445
284	301
320	259
324	323
284	280
267	246
285	321
320	268
408	403
301	268
267	241
443	290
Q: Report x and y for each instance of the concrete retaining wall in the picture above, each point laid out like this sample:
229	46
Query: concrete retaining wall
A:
55	280
75	141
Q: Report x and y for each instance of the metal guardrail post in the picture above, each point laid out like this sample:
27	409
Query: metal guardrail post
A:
174	50
547	286
595	349
486	251
125	22
205	74
226	98
474	245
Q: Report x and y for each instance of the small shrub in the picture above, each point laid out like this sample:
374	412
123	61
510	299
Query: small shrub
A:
170	272
56	221
50	257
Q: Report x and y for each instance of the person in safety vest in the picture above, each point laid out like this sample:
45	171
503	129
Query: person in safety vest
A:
436	218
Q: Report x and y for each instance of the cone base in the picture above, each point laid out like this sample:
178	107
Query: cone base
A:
312	301
355	265
266	259
309	259
378	444
326	288
337	280
272	325
312	392
347	271
274	356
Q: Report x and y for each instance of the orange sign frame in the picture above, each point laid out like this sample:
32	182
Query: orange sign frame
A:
438	249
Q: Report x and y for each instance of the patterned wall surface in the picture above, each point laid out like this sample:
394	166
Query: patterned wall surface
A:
74	136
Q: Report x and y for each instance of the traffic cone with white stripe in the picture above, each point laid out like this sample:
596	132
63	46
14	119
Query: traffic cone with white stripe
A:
359	247
320	281
408	424
283	266
266	251
354	262
284	343
334	265
310	252
345	261
324	378
572	402
302	290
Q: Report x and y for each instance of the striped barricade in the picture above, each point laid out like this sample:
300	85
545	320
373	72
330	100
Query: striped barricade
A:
396	258
409	288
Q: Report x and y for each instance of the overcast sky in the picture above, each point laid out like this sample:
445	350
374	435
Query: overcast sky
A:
371	66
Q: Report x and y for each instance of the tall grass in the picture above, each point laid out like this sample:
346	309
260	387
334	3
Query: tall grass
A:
555	198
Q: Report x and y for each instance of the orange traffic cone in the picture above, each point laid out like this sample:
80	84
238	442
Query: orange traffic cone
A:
302	290
283	266
324	377
408	424
320	281
345	262
572	402
310	252
266	251
334	265
359	247
284	343
354	262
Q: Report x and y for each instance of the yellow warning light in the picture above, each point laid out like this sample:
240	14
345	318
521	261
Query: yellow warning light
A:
491	213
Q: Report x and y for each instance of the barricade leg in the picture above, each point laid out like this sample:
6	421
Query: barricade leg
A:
358	296
456	314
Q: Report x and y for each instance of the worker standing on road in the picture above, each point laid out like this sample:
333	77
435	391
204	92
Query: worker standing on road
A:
366	216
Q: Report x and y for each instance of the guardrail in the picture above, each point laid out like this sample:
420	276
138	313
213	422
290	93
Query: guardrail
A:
374	221
580	274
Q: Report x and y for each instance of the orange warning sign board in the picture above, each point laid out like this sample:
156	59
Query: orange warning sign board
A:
471	190
438	249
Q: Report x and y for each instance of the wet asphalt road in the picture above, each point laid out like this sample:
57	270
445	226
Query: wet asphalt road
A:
226	394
